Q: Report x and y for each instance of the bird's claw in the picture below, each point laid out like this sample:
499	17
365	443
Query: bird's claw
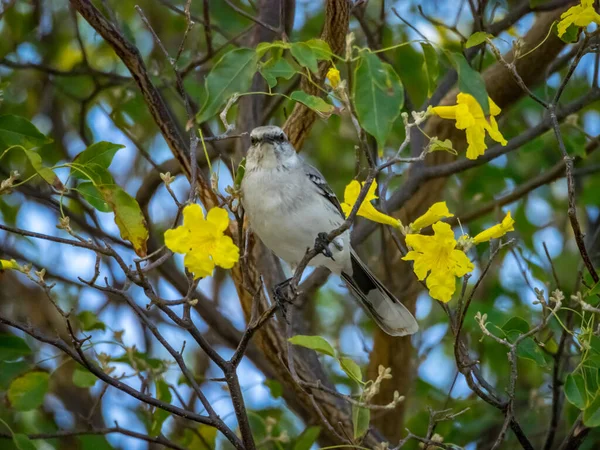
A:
322	245
284	294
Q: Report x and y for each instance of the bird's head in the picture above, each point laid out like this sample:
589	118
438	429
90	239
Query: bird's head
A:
270	147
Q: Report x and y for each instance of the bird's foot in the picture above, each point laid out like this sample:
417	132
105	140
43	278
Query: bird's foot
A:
284	294
322	245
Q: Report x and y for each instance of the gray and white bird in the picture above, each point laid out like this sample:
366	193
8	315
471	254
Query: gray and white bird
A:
289	203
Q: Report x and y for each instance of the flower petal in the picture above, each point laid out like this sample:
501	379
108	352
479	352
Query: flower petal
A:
445	112
368	211
351	192
178	239
567	19
464	117
371	192
494	132
441	286
496	231
476	141
333	75
226	253
435	212
199	263
494	109
193	216
219	218
462	264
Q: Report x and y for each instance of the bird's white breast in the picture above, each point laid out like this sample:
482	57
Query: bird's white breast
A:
286	212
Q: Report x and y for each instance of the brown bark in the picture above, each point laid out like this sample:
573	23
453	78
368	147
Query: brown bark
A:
397	353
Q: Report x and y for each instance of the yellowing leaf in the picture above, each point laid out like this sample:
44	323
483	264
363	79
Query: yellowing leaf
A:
27	391
83	378
128	217
477	38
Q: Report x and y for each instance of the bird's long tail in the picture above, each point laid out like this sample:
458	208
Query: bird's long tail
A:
385	309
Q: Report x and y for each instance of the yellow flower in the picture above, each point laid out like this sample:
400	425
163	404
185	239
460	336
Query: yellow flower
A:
469	116
202	241
366	208
581	15
435	212
5	264
333	75
438	256
496	231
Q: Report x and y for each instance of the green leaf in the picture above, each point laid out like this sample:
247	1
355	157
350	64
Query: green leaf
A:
93	196
516	324
445	146
571	35
575	141
528	349
100	154
275	388
471	82
575	391
89	321
477	38
305	56
310	52
128	217
16	130
22	442
11	370
430	66
240	172
360	420
264	47
231	74
83	378
591	414
594	290
12	347
317	104
316	343
27	391
352	369
276	68
94	443
308	437
320	48
160	415
94	172
140	360
378	96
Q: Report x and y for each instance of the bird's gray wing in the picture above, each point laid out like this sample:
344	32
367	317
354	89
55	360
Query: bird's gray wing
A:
322	187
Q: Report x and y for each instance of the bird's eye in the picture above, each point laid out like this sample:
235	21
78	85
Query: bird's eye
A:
253	140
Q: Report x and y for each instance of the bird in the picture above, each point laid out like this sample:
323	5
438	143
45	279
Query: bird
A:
289	204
